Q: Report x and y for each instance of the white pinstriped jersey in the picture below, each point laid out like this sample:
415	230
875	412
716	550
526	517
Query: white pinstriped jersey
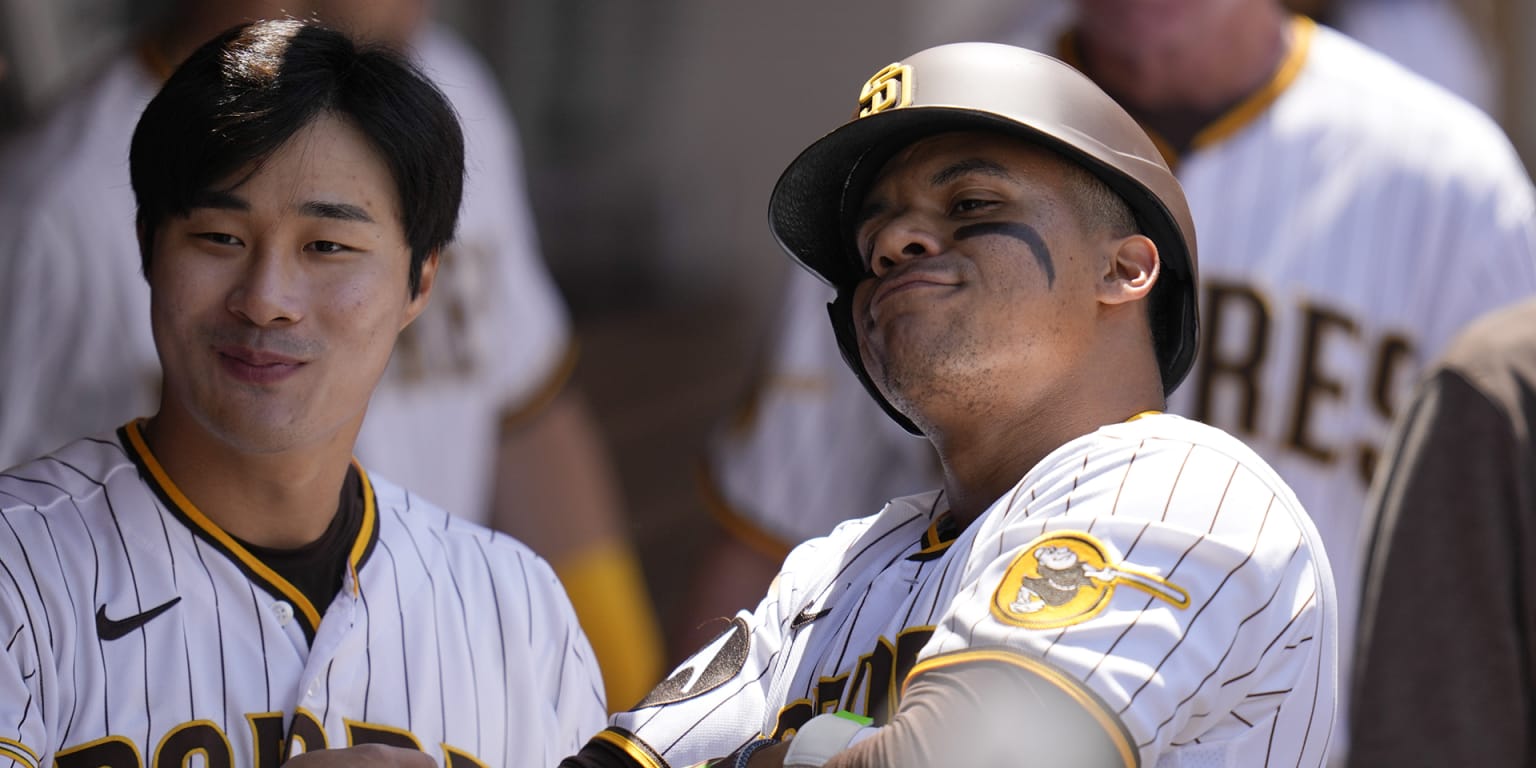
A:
444	635
1158	564
1351	218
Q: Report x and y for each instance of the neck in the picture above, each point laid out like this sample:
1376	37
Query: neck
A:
986	454
1177	83
281	500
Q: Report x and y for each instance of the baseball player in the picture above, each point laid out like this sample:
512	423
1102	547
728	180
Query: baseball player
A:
1352	218
221	582
1442	673
476	410
1096	583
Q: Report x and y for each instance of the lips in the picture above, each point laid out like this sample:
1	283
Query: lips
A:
912	278
256	366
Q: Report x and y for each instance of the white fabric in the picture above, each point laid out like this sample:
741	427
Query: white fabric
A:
434	639
74	309
1364	202
1247	661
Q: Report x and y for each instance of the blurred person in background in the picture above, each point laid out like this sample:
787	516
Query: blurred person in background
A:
475	411
1353	217
1444	675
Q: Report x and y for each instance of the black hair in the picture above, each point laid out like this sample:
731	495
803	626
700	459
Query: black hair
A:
242	95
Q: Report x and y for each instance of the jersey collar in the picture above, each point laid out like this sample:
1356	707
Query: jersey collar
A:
132	437
1242	114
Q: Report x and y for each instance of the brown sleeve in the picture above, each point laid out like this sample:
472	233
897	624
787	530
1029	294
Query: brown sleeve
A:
1442	672
995	708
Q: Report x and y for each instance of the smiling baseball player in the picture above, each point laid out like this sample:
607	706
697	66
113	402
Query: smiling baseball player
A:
220	584
1096	583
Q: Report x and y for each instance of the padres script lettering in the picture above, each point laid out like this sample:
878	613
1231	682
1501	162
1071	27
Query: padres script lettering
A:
1236	347
205	740
872	688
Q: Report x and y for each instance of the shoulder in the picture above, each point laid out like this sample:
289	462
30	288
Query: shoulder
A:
1497	352
419	531
1348	91
1162	468
74	475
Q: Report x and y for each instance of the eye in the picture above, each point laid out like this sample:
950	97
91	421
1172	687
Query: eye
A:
327	246
219	238
972	205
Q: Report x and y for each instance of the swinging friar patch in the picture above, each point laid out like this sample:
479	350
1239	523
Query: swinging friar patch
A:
1067	577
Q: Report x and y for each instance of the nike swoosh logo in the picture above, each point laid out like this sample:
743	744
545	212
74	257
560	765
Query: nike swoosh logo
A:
805	617
112	629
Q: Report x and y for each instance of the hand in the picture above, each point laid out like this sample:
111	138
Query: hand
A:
365	755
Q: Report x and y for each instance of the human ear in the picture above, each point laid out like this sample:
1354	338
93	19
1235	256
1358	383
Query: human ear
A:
423	288
1130	270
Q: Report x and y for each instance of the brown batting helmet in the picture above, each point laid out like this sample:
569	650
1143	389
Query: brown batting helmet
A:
991	87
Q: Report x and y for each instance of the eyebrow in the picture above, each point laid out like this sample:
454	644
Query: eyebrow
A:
972	165
342	211
229	201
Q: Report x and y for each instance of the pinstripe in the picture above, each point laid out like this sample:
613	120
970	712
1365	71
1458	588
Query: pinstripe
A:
501	635
1203	606
69	593
218	623
405	658
14	635
30	625
437	638
139	601
1219	663
325	712
367	652
469	647
261	636
1127	629
37	586
1176	477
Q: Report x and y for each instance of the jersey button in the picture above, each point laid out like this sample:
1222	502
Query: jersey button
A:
283	611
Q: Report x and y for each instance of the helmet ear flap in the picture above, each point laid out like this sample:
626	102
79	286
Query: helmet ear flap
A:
841	312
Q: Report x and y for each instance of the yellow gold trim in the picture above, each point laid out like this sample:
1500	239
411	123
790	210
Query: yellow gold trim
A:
212	529
1068	685
1245	112
520	415
18	751
737	526
1302	30
1144	414
365	531
186	757
641	756
353	725
454	758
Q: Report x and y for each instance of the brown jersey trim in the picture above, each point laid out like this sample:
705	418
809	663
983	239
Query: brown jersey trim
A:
184	510
518	415
1114	729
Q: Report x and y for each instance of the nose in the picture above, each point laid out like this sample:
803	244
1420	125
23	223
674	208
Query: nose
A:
900	241
265	292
